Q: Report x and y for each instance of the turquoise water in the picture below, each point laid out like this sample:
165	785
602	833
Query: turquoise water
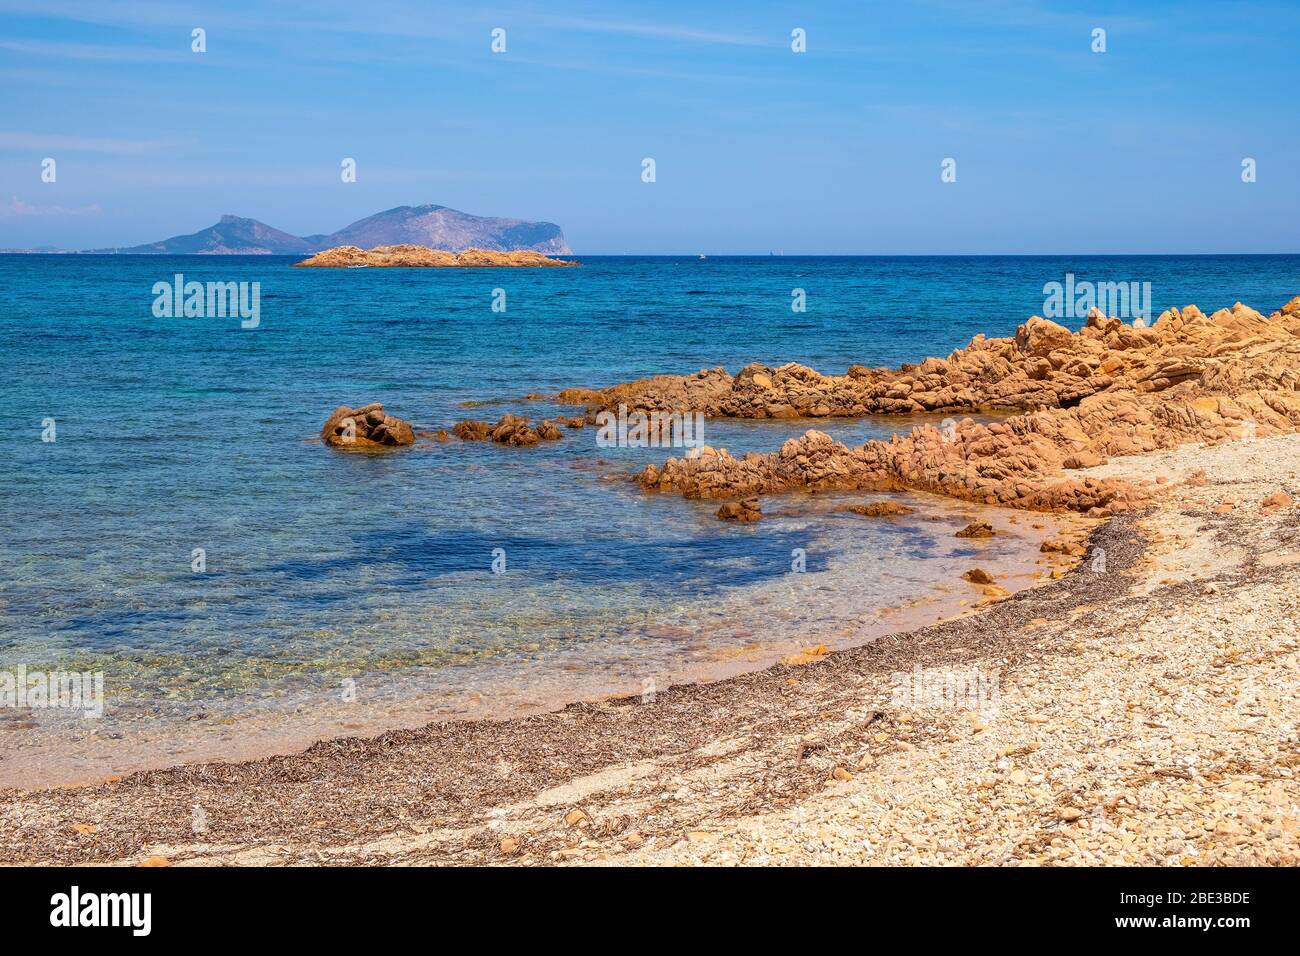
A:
176	434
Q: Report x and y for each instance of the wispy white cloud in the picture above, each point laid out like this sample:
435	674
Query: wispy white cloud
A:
136	13
16	208
95	51
1033	15
376	17
663	31
306	176
86	144
614	69
295	17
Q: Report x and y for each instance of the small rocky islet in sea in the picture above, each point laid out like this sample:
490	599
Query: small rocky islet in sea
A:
366	428
408	256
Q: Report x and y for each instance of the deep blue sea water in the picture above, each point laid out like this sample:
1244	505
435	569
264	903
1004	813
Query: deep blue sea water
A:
175	434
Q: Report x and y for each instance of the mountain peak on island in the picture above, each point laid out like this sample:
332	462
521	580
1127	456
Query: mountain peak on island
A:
431	225
439	227
230	236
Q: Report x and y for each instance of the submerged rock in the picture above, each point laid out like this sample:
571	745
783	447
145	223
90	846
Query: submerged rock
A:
878	509
366	427
976	529
747	510
806	656
1062	546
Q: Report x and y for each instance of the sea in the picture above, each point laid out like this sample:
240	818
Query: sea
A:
172	523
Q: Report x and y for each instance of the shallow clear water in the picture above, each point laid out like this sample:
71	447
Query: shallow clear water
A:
176	434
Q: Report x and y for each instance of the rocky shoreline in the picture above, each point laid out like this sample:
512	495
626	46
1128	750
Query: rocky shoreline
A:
1110	389
1044	365
407	256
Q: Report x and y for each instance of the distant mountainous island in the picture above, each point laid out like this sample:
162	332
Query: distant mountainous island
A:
437	227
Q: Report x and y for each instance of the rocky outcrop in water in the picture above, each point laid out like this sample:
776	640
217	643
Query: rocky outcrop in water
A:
1110	389
702	392
422	257
367	427
1044	365
745	510
510	430
987	463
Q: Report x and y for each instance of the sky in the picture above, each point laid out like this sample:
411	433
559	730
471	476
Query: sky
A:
835	150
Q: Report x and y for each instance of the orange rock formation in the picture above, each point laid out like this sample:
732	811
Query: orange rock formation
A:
367	427
510	430
411	256
1110	389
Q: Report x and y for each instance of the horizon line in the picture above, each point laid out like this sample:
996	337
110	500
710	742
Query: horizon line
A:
680	255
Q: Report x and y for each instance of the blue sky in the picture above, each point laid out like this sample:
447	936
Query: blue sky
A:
836	150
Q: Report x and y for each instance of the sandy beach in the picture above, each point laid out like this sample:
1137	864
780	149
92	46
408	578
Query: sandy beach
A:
1145	715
